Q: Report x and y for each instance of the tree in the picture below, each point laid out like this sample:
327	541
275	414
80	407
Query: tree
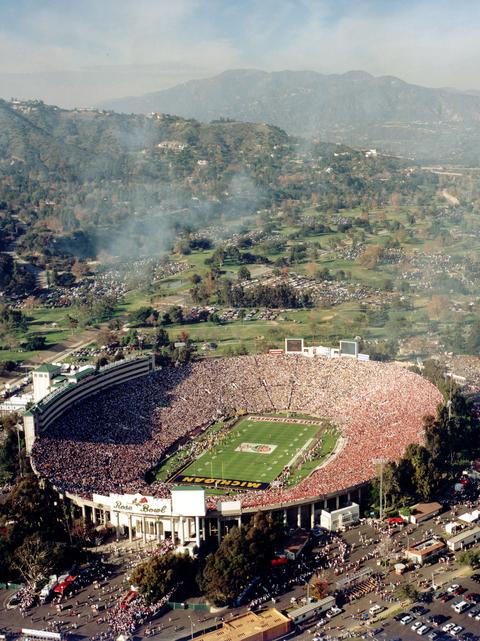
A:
9	454
79	269
72	322
473	338
9	366
371	256
176	314
227	571
161	338
35	342
183	336
263	537
166	319
244	273
319	589
140	315
160	574
33	509
471	558
244	553
408	591
425	474
33	559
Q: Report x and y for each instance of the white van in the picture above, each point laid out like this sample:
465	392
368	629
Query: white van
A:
376	609
461	606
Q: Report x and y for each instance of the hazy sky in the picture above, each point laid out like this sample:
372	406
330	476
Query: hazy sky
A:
82	52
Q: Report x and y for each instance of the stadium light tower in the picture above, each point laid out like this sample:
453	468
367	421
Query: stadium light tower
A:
381	462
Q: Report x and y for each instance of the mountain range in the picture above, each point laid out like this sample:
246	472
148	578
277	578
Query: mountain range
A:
355	108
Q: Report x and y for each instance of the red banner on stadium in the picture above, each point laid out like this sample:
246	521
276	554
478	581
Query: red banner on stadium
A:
234	484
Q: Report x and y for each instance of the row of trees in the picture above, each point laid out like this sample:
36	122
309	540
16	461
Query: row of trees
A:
277	296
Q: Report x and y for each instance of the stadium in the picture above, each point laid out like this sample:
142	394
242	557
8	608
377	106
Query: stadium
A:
187	451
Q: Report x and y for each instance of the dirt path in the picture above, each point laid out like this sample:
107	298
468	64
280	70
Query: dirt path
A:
452	200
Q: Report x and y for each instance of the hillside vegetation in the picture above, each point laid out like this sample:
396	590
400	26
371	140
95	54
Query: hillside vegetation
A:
355	108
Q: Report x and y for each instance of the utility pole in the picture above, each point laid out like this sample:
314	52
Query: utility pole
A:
381	462
191	626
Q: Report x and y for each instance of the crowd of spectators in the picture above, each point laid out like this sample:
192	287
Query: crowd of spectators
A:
26	597
128	619
109	442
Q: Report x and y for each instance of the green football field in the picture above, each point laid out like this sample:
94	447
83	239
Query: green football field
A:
232	459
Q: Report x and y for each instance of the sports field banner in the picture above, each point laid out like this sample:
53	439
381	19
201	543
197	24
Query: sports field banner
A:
233	484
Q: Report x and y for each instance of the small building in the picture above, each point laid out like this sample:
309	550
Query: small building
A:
470	517
452	527
424	511
311	610
261	626
425	551
464	539
341	518
15	404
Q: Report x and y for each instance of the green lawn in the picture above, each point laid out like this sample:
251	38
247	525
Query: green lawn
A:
225	461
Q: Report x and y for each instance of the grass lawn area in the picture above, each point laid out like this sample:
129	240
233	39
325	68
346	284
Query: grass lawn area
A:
225	460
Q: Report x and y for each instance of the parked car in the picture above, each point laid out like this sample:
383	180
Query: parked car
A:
407	619
474	597
461	606
400	615
419	610
437	619
424	629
